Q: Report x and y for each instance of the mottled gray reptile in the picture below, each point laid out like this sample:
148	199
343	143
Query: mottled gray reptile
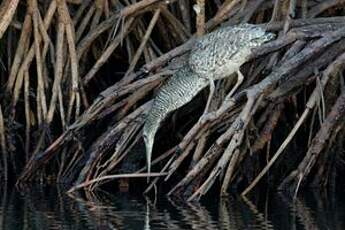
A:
214	56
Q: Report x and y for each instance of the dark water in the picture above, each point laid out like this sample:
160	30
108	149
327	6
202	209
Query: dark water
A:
50	208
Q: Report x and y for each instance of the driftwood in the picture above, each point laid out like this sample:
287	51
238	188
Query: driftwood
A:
73	99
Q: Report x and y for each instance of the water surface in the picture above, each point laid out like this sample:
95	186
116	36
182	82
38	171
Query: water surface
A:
51	208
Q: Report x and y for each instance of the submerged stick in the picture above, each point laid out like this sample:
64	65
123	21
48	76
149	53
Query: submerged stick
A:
109	177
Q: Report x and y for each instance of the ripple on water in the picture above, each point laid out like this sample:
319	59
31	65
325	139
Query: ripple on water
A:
50	208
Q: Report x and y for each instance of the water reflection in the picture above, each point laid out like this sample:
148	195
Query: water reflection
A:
51	208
